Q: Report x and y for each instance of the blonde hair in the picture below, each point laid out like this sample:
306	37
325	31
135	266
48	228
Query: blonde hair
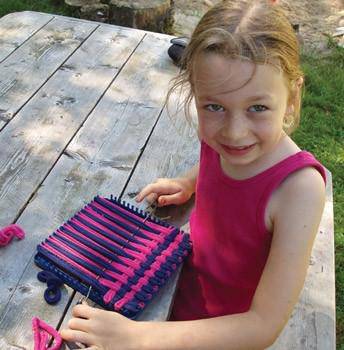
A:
258	31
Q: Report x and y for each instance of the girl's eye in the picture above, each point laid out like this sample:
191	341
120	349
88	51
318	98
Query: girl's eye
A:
257	108
214	108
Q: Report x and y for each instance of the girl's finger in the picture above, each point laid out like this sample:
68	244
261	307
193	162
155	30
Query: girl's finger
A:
82	310
145	192
78	324
175	198
75	336
151	198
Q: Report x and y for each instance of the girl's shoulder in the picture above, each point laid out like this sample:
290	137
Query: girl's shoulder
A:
301	190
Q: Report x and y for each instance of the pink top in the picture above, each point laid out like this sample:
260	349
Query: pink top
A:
230	240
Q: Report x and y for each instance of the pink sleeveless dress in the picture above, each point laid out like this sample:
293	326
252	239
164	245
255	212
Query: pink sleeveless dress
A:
230	241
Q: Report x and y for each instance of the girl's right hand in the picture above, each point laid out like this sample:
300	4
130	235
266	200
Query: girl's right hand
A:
168	191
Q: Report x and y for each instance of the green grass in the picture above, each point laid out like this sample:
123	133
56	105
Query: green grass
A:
322	132
49	6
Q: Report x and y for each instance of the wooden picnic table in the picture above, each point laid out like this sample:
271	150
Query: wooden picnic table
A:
82	112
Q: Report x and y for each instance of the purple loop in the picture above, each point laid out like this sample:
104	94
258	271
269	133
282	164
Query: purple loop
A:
52	295
44	275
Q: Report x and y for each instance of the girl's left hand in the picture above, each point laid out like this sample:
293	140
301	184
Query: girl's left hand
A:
102	330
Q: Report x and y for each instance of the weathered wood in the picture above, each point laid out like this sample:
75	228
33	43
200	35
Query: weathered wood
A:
163	156
312	325
29	67
153	15
35	139
13	32
172	149
98	160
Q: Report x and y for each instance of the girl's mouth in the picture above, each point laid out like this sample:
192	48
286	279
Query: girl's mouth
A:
237	150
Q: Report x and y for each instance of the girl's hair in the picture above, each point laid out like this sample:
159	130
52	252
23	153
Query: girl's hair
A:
258	31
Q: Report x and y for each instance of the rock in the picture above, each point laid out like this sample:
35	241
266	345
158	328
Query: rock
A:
153	15
208	3
339	32
81	3
97	12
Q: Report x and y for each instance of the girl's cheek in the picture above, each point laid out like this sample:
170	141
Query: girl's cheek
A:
210	123
207	130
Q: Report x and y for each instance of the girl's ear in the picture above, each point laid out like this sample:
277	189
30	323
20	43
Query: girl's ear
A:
290	110
292	114
295	94
299	82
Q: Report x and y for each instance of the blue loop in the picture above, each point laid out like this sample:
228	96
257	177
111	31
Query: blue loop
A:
54	282
52	295
44	275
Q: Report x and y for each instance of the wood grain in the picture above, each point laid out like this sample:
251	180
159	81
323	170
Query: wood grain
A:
33	142
24	72
99	159
16	28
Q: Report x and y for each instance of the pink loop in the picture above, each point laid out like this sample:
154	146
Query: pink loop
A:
10	231
42	333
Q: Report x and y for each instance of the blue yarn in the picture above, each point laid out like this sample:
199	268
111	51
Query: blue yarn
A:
52	294
43	276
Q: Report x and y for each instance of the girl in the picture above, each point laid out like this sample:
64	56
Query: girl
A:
259	198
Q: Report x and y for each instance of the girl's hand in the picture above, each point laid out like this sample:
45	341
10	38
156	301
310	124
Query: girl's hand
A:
168	191
102	330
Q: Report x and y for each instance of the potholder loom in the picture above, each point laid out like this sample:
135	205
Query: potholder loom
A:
115	253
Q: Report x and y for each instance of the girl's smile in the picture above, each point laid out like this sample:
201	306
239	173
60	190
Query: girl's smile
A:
238	150
241	107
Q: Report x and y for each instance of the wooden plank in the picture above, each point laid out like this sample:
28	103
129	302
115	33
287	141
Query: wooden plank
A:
172	150
29	67
35	139
16	28
312	325
98	160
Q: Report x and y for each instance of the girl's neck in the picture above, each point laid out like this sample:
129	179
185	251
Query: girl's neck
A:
284	148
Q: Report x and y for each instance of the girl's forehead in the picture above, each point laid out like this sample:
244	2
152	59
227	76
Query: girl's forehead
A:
214	75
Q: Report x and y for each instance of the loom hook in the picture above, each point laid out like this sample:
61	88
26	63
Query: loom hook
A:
85	298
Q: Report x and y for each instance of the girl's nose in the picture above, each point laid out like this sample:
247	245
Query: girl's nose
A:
235	128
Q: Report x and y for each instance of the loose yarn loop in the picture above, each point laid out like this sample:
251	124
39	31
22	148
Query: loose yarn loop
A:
8	232
52	294
43	334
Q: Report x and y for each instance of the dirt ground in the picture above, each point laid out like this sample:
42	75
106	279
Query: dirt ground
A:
315	17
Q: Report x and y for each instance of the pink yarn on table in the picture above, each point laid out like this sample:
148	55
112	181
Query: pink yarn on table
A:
8	232
42	335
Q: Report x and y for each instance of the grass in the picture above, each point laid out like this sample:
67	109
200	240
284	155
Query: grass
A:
321	130
49	6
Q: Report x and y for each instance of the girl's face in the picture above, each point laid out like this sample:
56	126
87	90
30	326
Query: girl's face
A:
241	107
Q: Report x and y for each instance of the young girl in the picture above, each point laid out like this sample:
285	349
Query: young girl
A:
259	198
